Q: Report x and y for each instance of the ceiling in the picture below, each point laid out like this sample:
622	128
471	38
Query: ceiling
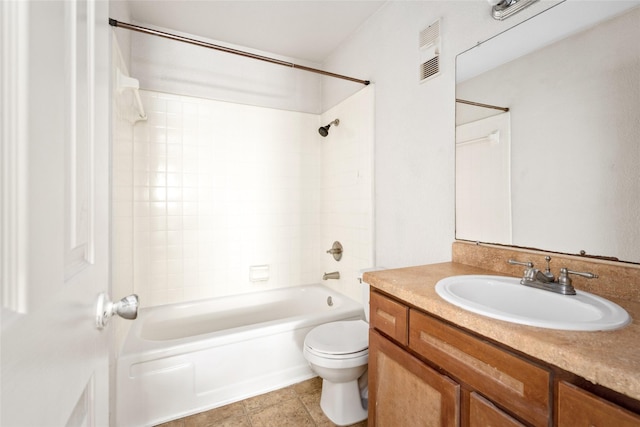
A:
302	29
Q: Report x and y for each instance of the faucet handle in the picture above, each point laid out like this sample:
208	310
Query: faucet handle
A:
528	264
529	272
336	251
564	278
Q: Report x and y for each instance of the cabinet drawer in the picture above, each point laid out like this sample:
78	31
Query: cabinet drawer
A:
517	385
578	408
389	317
483	413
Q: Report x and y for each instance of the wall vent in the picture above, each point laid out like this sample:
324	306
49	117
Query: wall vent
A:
429	35
429	52
430	68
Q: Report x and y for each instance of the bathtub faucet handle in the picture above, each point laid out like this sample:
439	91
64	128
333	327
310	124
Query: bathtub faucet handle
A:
336	251
127	308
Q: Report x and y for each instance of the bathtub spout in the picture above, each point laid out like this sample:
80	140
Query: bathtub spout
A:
333	275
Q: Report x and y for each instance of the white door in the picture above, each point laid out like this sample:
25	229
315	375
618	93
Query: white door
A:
55	212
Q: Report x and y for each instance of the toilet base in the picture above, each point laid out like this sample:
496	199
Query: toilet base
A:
341	402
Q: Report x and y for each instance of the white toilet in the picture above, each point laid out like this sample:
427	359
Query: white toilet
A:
338	352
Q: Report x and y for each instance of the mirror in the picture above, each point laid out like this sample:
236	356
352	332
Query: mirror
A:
560	171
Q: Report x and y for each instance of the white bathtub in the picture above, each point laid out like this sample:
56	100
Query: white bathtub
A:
181	359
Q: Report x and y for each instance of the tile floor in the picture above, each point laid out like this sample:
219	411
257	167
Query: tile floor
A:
294	406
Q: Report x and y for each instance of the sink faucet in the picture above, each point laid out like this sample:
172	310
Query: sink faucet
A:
545	279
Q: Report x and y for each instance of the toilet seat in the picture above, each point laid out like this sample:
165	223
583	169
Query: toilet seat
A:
339	340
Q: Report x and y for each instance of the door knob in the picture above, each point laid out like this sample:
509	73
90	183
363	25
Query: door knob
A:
127	308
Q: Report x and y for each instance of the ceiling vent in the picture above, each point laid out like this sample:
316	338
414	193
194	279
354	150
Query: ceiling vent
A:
429	52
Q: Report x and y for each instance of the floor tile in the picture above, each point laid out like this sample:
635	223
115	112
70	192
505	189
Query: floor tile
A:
310	386
264	400
312	402
215	416
174	423
291	413
242	421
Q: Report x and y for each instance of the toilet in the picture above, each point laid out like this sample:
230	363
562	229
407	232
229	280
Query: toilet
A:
339	352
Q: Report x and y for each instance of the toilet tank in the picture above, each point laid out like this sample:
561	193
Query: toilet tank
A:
365	290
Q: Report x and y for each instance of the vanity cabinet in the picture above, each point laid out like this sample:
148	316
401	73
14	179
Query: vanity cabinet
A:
426	372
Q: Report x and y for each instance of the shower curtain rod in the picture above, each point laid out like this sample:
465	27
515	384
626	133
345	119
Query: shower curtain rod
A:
477	104
140	29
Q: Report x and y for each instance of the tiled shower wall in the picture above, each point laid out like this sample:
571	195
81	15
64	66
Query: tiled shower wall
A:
218	188
347	190
209	189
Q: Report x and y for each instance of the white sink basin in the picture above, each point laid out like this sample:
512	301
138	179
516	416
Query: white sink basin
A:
504	298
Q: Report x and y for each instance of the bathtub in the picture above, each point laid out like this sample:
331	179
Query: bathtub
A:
185	358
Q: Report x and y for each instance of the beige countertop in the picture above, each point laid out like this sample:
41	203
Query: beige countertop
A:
607	358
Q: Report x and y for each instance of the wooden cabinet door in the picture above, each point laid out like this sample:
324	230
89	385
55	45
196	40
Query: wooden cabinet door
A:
483	413
512	382
403	391
579	408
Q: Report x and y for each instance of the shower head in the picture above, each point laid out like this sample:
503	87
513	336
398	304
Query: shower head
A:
324	130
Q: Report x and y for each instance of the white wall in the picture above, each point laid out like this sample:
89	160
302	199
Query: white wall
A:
179	68
120	11
174	67
415	126
347	190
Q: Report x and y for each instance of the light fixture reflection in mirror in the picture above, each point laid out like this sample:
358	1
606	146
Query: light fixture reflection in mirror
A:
574	122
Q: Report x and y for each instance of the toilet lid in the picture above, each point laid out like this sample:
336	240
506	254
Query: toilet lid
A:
339	337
